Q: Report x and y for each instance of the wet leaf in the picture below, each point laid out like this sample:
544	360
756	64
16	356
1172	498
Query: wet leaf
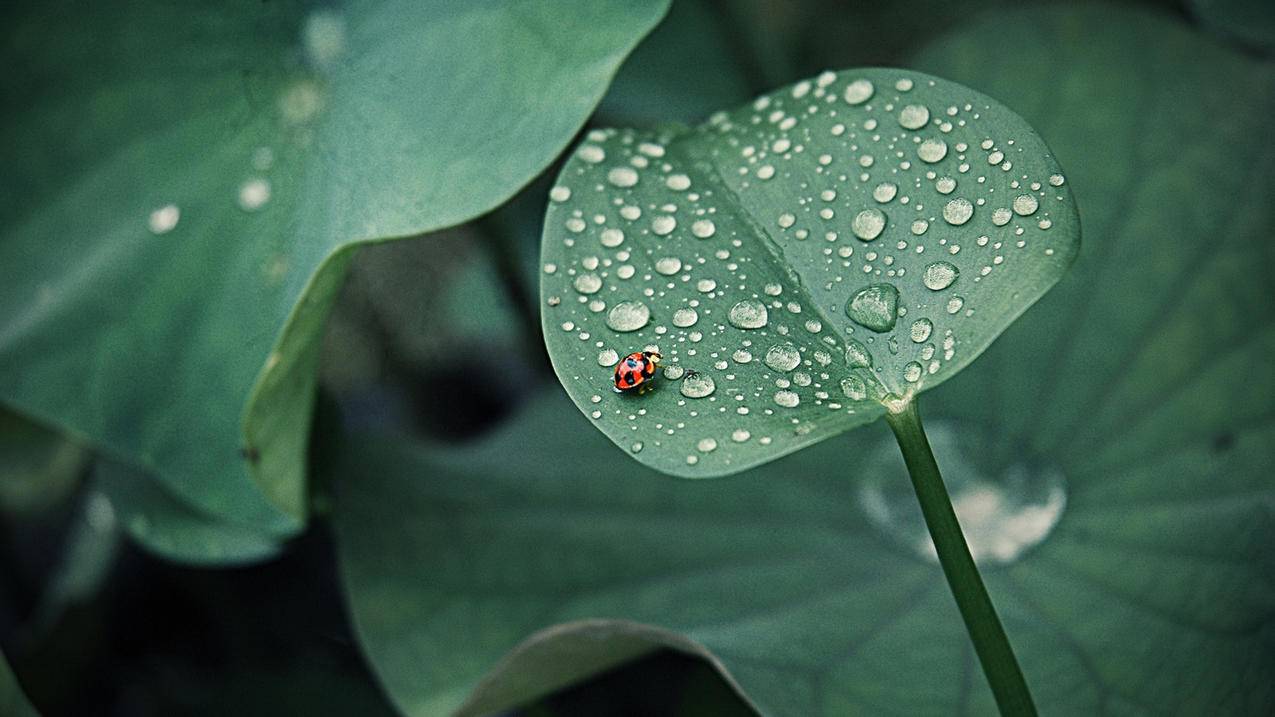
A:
1110	459
183	185
848	241
174	530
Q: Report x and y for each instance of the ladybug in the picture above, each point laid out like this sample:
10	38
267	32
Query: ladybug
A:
636	370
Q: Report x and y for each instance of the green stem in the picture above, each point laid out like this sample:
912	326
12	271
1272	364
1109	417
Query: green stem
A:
984	627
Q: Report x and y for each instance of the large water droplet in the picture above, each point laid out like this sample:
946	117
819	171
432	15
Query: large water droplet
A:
868	224
854	388
748	314
857	355
914	116
875	307
858	92
782	357
698	385
921	330
628	316
958	211
940	275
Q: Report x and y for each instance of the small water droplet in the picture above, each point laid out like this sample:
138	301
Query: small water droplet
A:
885	191
932	150
739	435
164	219
786	398
912	372
684	318
622	176
914	116
875	307
674	372
1025	205
678	182
857	355
588	283
706	445
608	357
954	304
560	194
591	153
703	228
939	275
668	265
854	388
628	316
253	194
921	330
663	225
748	314
858	92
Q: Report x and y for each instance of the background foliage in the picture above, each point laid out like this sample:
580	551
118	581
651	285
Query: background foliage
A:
446	529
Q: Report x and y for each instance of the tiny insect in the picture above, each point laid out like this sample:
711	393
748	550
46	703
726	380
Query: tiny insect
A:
636	370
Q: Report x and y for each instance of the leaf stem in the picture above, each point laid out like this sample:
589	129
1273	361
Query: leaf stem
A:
984	627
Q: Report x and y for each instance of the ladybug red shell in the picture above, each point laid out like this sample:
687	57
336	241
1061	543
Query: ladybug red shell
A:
636	369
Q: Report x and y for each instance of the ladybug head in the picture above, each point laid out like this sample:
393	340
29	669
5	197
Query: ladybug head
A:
654	356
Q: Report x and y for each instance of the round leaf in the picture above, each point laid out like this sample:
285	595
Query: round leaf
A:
843	243
183	184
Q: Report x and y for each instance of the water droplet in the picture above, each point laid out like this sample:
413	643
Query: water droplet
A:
684	318
704	286
912	372
164	219
914	116
958	211
253	194
678	182
628	316
608	357
857	355
921	330
932	150
854	388
1025	205
611	238
885	191
1056	180
875	307
940	275
786	398
858	92
588	283
868	224
663	225
954	304
668	265
945	185
560	194
622	176
673	372
698	385
739	435
1001	216
706	445
748	314
782	357
636	447
704	228
591	153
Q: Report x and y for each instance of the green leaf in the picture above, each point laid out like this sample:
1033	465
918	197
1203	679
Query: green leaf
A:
12	701
184	184
38	466
834	246
1110	458
174	530
1252	22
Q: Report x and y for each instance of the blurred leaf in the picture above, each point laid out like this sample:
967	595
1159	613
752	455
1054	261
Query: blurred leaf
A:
1137	389
172	529
835	246
184	183
38	466
654	86
1252	22
12	702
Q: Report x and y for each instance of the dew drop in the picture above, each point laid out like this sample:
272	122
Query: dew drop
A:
591	153
684	318
1056	180
622	176
164	219
663	225
611	238
748	314
932	150
958	211
1025	205
914	116
698	385
739	435
560	194
673	372
588	283
921	330
857	355
786	398
706	445
940	275
858	92
868	224
678	182
703	229
954	304
608	357
628	316
1001	216
875	307
885	191
854	388
253	194
912	372
668	265
782	357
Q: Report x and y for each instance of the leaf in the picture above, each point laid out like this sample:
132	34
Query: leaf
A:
174	530
841	244
1252	22
184	185
12	701
38	466
1136	389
